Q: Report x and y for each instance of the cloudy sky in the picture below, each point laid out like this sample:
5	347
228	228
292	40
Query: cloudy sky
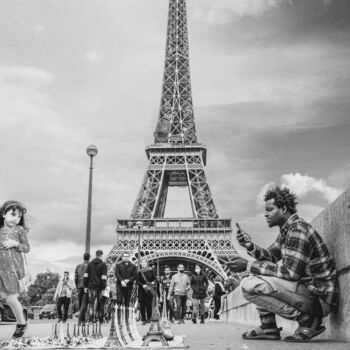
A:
271	91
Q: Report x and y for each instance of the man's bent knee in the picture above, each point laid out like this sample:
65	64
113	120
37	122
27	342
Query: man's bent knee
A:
255	285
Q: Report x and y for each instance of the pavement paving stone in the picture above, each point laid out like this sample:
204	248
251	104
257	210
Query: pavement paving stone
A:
210	336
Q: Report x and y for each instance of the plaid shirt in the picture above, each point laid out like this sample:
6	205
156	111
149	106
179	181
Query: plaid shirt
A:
305	258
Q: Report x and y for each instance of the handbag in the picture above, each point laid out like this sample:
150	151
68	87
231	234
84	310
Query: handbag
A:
148	289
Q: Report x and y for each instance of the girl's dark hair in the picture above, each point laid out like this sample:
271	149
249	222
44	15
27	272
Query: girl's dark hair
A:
283	198
13	205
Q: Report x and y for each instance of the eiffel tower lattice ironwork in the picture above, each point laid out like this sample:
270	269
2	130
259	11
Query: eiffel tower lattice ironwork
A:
176	159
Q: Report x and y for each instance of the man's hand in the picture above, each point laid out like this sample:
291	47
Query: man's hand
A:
126	281
237	264
144	286
85	290
123	283
243	238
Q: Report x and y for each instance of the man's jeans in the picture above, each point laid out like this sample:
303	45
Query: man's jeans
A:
65	301
181	301
198	307
123	295
83	307
95	312
80	296
274	295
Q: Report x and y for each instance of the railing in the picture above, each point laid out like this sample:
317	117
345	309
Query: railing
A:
175	224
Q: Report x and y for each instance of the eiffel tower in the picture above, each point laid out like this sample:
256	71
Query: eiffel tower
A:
177	159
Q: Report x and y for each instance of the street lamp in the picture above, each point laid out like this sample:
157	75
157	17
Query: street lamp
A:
91	151
139	224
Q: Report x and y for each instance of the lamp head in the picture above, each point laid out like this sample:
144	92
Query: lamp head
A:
139	224
91	151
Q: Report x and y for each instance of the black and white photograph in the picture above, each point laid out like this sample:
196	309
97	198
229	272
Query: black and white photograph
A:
175	174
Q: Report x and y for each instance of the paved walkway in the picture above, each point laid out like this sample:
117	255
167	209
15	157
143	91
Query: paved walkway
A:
215	336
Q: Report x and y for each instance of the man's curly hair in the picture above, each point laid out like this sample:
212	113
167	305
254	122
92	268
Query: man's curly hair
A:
283	198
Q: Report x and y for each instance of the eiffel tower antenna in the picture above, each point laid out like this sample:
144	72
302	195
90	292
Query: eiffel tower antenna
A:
176	159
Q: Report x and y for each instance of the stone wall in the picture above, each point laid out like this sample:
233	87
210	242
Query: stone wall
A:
334	226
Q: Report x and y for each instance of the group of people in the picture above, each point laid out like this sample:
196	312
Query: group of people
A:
90	281
171	291
294	278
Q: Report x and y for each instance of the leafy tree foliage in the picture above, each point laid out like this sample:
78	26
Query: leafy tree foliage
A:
41	292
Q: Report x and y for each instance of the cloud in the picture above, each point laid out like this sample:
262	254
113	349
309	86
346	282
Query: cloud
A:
23	76
304	184
227	10
93	57
38	29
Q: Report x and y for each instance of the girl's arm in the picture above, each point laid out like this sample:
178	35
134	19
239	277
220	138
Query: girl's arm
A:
23	245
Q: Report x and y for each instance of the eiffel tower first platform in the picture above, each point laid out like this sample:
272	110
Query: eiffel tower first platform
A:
176	159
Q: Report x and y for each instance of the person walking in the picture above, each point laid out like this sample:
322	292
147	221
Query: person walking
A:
126	273
302	287
219	290
165	281
95	278
179	286
13	243
146	280
63	295
79	282
199	284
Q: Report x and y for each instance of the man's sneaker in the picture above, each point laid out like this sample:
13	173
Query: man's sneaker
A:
19	331
59	320
194	320
202	319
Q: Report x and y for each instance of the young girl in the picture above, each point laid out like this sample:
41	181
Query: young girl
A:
13	242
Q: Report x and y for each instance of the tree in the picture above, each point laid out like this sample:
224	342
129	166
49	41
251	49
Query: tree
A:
41	292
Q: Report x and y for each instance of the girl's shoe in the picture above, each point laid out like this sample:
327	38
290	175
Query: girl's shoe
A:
20	330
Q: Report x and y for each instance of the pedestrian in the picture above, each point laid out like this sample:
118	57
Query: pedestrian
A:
13	242
79	283
303	287
95	279
63	296
165	281
179	287
219	290
104	301
199	284
146	281
111	283
126	273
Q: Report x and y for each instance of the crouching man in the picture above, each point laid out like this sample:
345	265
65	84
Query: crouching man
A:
302	287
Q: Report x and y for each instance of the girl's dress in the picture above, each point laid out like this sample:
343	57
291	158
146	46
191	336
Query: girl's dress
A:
11	260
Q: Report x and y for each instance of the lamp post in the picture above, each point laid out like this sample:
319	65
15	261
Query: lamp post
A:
91	151
139	224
